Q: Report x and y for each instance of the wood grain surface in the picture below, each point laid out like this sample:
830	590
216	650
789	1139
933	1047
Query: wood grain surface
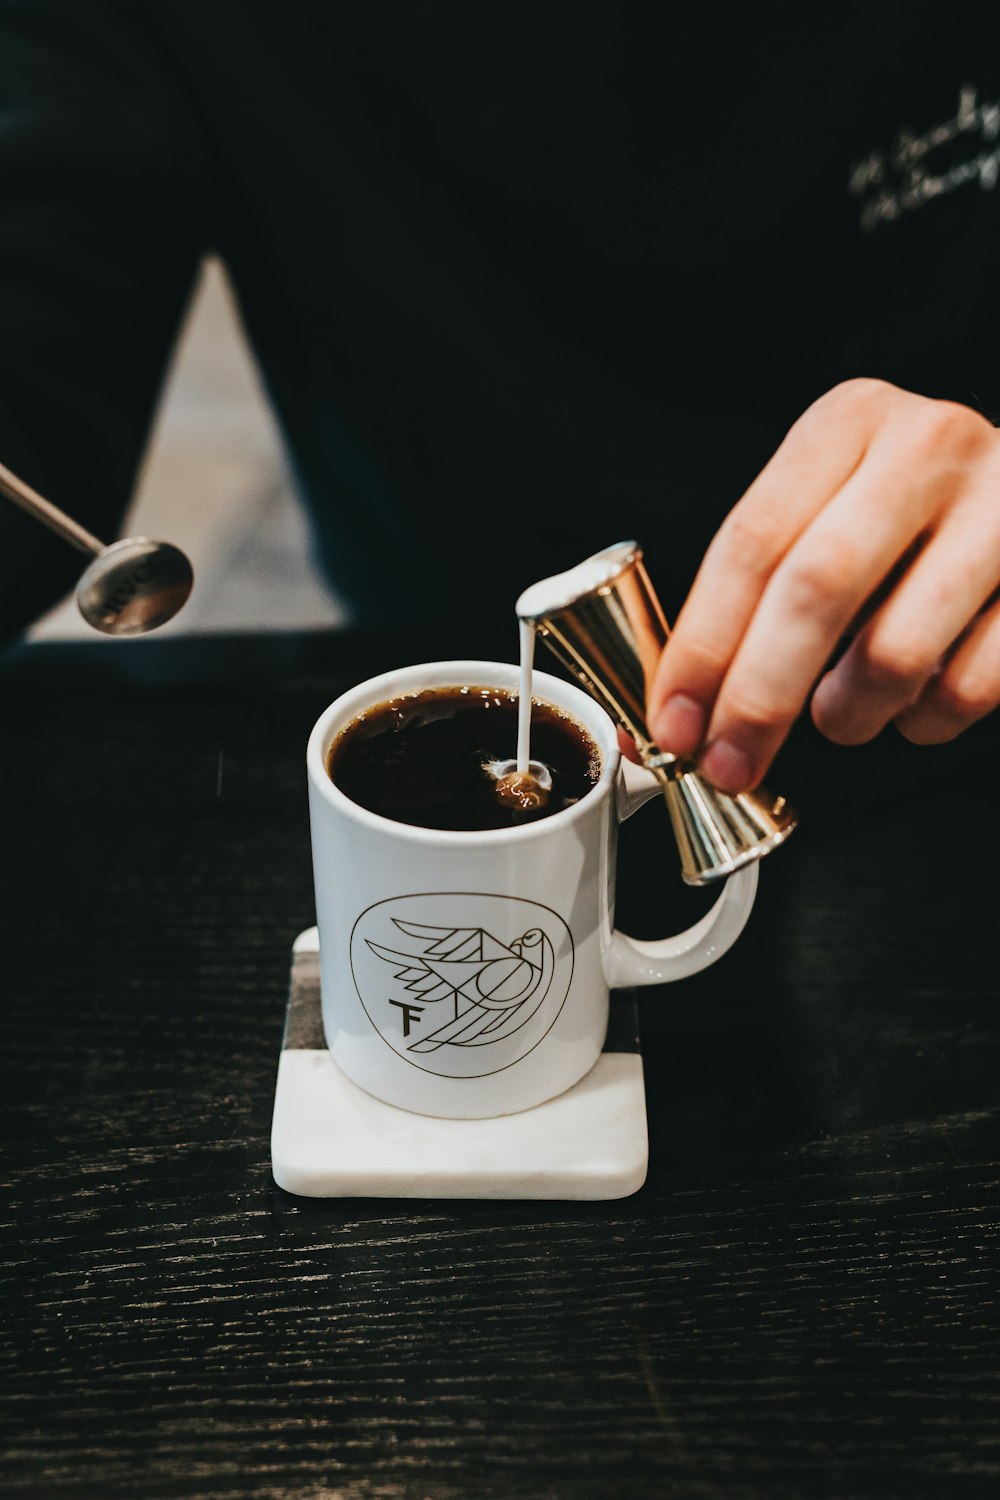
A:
802	1301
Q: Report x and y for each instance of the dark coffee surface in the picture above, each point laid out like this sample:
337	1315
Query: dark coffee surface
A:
421	758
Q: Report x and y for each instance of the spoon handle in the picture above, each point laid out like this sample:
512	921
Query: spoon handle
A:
50	515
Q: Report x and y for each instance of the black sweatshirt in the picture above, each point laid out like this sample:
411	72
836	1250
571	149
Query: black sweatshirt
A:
522	280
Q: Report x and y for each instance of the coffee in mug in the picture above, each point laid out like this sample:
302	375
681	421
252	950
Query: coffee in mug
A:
430	758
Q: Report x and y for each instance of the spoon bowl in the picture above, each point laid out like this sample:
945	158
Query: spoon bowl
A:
133	586
128	588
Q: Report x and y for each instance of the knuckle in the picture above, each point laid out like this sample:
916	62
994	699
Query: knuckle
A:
751	537
896	666
966	695
816	581
708	660
854	395
947	427
694	661
751	712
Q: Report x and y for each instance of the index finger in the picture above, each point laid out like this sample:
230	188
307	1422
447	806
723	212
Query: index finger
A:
817	457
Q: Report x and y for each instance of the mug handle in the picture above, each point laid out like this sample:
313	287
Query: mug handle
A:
630	961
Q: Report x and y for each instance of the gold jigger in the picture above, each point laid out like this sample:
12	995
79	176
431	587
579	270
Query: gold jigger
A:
605	624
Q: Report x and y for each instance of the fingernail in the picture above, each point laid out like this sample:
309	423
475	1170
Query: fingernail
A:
680	725
726	766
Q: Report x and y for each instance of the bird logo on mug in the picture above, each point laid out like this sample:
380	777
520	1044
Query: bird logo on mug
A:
462	984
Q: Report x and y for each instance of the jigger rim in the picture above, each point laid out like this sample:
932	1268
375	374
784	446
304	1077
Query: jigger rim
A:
748	857
624	554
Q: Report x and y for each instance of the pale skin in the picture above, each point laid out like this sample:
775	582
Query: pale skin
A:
877	517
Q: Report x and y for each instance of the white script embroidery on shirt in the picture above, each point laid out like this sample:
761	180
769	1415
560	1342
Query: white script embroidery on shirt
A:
916	169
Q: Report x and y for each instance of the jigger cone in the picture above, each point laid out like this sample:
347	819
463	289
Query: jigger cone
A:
605	624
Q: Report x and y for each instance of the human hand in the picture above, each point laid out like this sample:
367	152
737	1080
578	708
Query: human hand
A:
880	504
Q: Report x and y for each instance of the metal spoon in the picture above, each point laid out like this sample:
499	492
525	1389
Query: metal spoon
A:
131	586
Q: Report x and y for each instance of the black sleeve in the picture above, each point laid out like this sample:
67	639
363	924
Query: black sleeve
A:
101	228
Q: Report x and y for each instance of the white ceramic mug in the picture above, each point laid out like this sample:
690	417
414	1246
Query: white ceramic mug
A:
468	974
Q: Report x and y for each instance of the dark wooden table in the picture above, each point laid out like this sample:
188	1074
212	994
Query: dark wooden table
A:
802	1301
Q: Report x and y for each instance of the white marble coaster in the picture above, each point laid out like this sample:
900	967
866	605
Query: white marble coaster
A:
329	1139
